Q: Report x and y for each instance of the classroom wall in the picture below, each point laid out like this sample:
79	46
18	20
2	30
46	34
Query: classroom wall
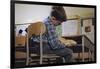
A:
82	12
90	34
70	28
26	13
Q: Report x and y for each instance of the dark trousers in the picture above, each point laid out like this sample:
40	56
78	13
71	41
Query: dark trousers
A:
66	53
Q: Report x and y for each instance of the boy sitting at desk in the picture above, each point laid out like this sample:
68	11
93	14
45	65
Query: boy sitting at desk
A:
53	45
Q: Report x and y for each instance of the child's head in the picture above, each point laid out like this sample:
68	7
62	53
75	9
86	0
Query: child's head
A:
58	15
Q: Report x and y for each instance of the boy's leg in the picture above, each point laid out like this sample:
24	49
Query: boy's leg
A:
66	53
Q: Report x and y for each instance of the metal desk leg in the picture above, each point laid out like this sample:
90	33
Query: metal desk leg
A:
83	48
41	51
90	56
27	52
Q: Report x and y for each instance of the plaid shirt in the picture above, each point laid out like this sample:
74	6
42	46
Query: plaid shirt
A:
50	36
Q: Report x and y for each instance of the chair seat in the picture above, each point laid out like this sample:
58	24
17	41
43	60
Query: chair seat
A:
47	59
50	56
34	54
46	55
